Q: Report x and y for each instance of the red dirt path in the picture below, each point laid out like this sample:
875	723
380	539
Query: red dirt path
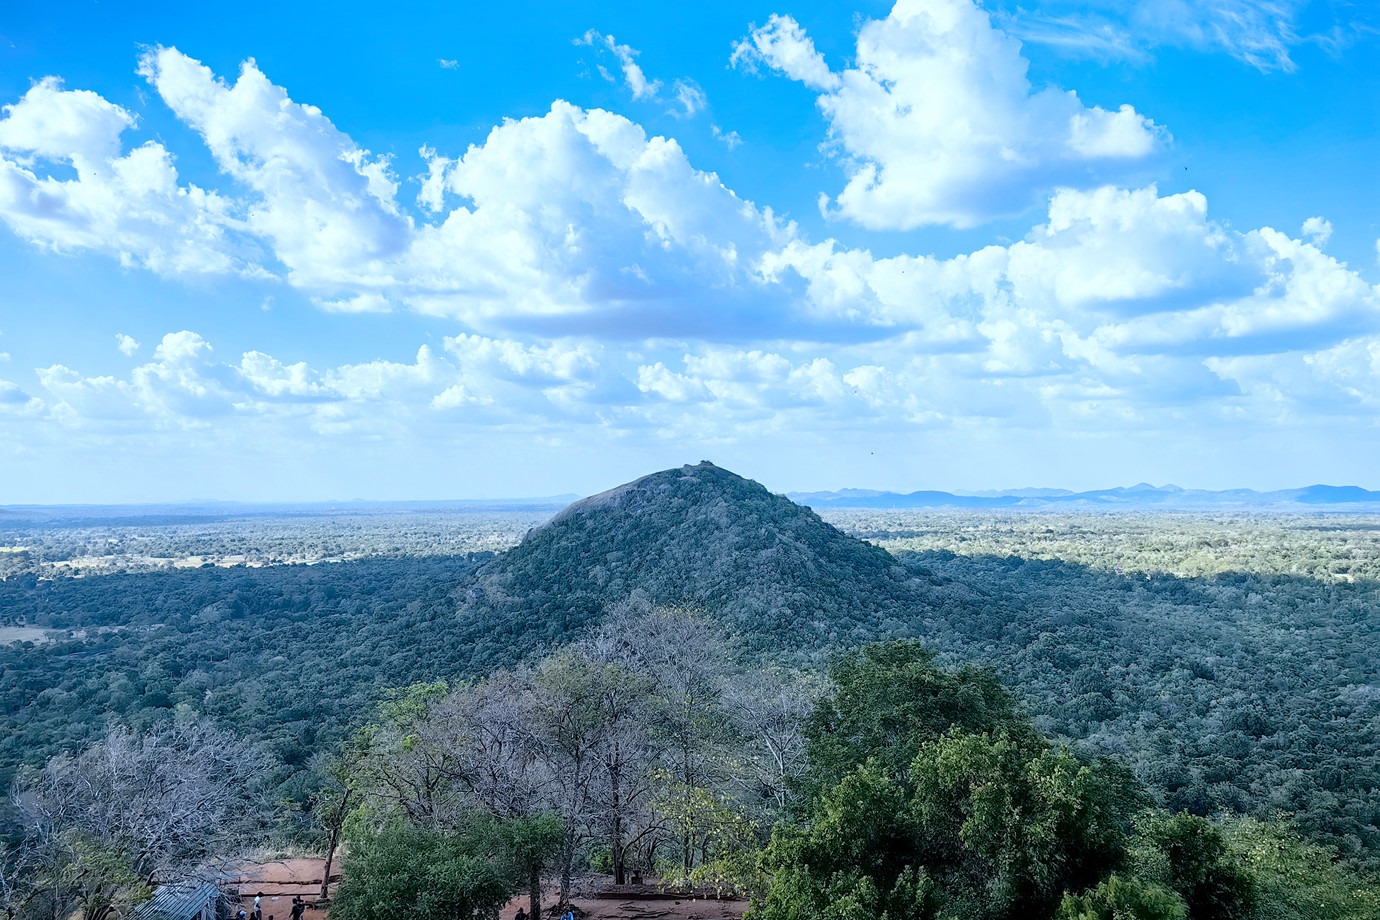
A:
281	879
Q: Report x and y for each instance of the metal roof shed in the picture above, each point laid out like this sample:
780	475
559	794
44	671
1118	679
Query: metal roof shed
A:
185	901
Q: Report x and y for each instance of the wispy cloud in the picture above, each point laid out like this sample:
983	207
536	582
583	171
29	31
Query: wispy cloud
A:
636	80
690	98
1259	33
730	138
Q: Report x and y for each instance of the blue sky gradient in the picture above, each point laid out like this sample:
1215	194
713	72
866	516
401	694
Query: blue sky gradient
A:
529	248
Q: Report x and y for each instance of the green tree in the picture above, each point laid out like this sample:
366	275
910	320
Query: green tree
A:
403	872
888	700
986	827
1123	898
1007	825
859	858
1297	880
529	845
1188	855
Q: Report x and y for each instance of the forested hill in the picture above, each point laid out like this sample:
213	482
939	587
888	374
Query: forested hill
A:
700	536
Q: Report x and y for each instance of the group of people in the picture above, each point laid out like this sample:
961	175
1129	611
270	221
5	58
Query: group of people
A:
298	908
523	915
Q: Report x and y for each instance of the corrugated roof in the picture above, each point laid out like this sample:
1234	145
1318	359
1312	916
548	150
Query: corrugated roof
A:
180	901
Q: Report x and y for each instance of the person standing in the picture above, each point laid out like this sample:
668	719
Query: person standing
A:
259	906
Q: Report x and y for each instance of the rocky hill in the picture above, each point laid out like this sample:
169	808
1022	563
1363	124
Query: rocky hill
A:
703	537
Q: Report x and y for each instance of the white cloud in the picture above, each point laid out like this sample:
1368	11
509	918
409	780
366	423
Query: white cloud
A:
448	64
325	205
1118	284
1076	32
360	303
579	213
186	386
783	45
12	395
574	214
275	380
126	344
938	123
129	206
57	124
1129	252
1317	230
561	235
1341	380
1257	32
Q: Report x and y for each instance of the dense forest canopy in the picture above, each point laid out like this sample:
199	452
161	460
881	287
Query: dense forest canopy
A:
1229	663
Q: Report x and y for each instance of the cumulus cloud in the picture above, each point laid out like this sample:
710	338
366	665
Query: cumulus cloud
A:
783	45
575	214
126	344
128	205
1110	273
1300	385
937	122
604	280
56	124
579	213
325	204
185	385
1318	230
11	394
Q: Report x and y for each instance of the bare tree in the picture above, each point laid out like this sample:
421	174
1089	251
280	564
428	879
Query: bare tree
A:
137	810
413	760
770	707
488	729
682	656
567	730
628	754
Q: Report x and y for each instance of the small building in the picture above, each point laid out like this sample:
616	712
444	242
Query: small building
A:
190	900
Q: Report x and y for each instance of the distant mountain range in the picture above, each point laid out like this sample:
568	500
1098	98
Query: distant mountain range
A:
1142	495
1139	496
192	512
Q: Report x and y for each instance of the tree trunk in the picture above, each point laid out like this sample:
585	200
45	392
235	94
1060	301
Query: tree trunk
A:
689	798
534	893
330	858
337	826
616	846
616	827
567	859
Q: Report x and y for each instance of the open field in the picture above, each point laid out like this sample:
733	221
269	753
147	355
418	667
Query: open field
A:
1334	546
13	635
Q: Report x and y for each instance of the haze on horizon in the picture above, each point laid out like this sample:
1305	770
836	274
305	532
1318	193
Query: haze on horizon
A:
531	251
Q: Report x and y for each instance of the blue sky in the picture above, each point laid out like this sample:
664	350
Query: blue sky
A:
432	252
